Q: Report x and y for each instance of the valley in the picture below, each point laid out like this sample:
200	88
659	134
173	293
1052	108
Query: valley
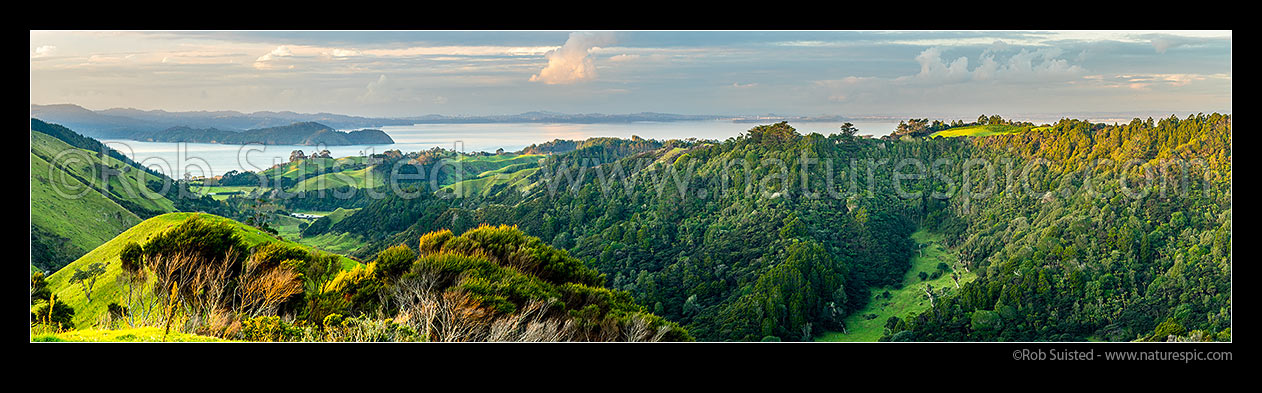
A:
909	297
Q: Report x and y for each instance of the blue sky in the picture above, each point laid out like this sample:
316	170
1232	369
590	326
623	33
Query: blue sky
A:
389	73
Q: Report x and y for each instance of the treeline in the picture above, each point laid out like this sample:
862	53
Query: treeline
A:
923	127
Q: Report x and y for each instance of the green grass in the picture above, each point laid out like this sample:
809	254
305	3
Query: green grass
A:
907	300
340	214
482	185
287	226
980	130
88	220
141	334
126	184
358	178
71	200
338	243
221	190
107	288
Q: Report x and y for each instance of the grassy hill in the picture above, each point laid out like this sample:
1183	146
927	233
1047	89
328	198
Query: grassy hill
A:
907	300
73	210
982	130
107	288
359	178
122	183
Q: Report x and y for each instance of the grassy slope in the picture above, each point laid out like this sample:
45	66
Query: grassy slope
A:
88	220
489	171
910	299
107	288
214	190
986	130
338	243
489	179
141	334
81	164
62	204
472	168
358	178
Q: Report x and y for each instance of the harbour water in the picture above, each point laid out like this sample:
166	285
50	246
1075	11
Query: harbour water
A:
208	159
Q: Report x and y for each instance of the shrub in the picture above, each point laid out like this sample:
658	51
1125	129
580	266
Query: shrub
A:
394	261
269	328
62	315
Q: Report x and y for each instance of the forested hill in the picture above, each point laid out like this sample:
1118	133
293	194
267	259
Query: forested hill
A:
740	263
778	235
1112	244
305	133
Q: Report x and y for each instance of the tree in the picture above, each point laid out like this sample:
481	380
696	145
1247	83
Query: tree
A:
87	278
132	259
54	313
848	130
39	287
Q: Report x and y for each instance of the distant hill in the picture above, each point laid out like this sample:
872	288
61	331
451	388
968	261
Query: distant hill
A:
93	124
128	123
124	123
554	117
305	133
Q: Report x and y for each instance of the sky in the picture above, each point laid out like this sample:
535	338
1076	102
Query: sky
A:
847	73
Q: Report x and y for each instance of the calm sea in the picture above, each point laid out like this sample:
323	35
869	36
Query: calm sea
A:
208	159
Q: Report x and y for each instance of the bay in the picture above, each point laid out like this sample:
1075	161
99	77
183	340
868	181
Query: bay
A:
208	159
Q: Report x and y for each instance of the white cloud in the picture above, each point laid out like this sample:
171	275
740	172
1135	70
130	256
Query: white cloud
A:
487	50
623	57
280	51
944	77
266	62
571	62
934	70
336	52
43	51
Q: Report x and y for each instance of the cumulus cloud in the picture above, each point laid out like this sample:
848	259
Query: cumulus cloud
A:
934	69
266	61
280	51
943	76
43	51
572	61
344	52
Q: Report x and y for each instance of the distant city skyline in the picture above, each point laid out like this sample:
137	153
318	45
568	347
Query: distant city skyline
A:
806	73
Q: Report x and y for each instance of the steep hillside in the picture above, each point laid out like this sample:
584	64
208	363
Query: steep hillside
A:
73	209
63	229
108	289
